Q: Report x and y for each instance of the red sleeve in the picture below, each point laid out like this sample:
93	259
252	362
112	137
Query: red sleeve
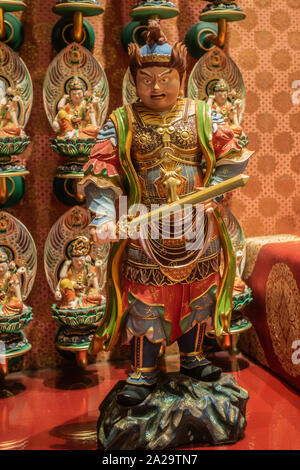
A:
104	159
224	141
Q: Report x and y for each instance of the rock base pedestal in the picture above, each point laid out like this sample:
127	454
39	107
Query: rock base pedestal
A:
180	411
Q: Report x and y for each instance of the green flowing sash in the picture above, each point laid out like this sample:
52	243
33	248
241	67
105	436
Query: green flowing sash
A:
108	332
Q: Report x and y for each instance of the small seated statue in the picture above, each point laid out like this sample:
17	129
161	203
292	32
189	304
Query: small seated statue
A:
9	126
239	285
77	113
229	109
10	286
78	286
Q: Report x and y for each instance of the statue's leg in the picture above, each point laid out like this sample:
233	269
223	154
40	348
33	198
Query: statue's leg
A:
143	376
192	360
144	354
143	322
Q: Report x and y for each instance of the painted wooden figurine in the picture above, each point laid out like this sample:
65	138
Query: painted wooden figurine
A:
15	103
18	262
74	270
229	109
75	99
157	150
78	114
9	125
10	286
78	285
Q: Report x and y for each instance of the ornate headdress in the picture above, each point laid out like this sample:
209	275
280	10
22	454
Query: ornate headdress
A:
221	85
80	246
157	51
75	84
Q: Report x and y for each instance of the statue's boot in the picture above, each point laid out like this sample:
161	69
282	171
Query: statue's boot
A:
143	377
192	360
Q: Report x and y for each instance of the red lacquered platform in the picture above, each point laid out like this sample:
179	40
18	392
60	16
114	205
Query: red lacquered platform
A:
58	409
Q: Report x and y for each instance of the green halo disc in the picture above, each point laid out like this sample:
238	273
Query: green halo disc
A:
15	190
195	38
62	34
65	190
132	32
163	10
88	8
217	14
14	32
12	5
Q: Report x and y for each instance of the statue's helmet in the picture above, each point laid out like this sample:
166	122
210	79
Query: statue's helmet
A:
157	52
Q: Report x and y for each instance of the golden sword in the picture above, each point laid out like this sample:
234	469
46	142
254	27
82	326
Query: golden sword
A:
203	195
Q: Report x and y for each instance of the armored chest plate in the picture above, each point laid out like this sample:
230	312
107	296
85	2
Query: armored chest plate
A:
166	152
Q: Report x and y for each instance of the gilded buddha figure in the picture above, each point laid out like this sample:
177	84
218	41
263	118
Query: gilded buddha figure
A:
9	126
10	286
230	109
155	151
77	113
78	286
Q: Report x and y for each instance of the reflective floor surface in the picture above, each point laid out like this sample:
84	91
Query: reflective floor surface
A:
58	409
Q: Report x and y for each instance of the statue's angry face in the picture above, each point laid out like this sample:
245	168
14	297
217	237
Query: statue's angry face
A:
158	87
